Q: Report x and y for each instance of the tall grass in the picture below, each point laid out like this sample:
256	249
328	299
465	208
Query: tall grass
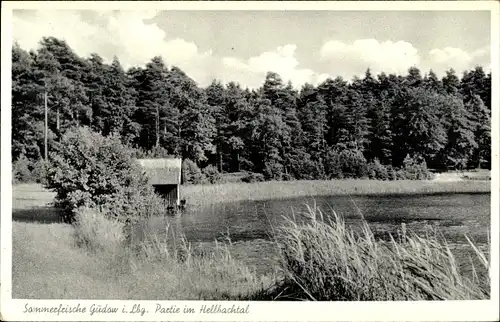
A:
182	273
96	233
324	260
165	267
201	195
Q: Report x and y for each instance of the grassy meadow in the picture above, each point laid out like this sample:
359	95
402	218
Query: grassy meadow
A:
320	259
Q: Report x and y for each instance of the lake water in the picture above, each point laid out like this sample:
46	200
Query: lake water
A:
249	224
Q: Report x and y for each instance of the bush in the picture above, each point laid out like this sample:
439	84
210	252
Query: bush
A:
191	173
333	166
21	172
273	170
40	171
211	174
253	177
414	169
89	170
377	171
391	172
25	170
303	168
346	163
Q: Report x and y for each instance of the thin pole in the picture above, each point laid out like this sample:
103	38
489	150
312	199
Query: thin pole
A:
157	126
46	125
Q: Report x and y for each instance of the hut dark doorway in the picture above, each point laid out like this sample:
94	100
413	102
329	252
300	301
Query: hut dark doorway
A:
169	193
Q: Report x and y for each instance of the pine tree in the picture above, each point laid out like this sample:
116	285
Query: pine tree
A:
196	124
120	106
238	130
481	121
268	130
27	107
313	115
380	134
451	83
476	82
93	80
60	72
216	99
284	97
432	83
152	100
413	78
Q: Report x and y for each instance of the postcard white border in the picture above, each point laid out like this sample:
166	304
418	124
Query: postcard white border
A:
11	309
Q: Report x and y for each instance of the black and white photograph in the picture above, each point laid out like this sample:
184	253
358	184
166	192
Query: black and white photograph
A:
170	163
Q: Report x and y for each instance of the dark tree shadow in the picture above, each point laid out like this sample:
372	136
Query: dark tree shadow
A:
37	215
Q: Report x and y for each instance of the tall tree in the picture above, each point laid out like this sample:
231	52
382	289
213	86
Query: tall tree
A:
432	83
196	124
451	83
476	82
482	131
238	129
27	107
313	115
417	125
380	134
93	80
461	143
268	130
284	98
60	72
120	105
216	99
152	100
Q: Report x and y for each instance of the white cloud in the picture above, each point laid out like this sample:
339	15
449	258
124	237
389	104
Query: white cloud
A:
125	34
28	29
443	59
139	41
281	60
135	39
349	59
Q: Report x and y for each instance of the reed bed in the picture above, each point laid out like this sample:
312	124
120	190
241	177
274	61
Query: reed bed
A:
324	260
202	195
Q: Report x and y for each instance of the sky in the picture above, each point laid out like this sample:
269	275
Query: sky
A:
242	46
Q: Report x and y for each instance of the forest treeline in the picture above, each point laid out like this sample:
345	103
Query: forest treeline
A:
337	129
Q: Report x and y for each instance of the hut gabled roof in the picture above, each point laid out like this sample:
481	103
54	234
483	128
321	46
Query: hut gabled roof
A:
162	171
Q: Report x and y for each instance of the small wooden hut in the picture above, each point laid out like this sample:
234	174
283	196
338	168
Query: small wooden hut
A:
165	176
